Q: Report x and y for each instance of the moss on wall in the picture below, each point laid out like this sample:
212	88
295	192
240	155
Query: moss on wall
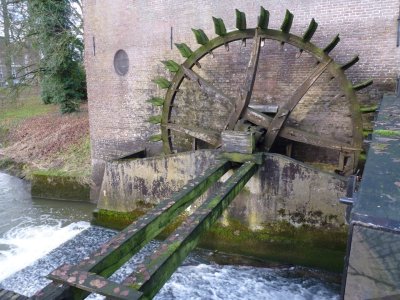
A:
59	188
316	247
311	246
114	219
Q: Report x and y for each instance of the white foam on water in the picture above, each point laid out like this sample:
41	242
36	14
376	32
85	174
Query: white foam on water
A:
220	282
24	244
238	282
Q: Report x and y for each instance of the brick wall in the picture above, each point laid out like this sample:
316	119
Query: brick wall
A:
117	104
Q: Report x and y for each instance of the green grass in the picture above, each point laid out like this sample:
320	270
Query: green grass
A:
76	160
24	109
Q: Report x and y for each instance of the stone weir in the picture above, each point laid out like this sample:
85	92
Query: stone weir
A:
287	211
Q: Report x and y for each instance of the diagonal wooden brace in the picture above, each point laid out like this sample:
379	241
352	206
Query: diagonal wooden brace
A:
284	112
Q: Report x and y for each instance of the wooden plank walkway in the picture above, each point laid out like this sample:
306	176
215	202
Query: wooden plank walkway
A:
9	295
90	275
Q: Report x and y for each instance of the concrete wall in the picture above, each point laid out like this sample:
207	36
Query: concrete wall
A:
282	189
117	104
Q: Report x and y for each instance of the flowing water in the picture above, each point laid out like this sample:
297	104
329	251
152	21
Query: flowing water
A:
37	236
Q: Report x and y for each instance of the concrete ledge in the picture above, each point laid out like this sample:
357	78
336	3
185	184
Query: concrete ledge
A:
59	188
282	190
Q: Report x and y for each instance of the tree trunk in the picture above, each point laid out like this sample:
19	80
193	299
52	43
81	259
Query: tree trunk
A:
7	43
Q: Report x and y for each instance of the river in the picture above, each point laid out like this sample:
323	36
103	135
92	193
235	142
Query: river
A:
36	236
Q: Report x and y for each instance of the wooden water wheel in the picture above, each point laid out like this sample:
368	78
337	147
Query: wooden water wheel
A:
271	121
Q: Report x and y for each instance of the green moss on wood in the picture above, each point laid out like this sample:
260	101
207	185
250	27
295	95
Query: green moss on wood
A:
114	219
349	64
367	132
332	44
162	82
184	49
155	138
387	133
200	36
263	20
310	31
287	22
219	26
155	119
368	109
156	101
363	85
171	65
240	20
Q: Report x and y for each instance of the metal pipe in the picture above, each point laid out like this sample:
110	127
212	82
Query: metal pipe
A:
94	46
398	32
172	37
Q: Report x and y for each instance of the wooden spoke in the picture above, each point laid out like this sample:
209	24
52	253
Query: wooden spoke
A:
247	90
286	109
206	135
297	135
206	86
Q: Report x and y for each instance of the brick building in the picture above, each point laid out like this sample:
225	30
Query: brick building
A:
21	61
147	29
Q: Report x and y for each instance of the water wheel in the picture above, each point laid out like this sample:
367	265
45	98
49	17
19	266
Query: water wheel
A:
196	111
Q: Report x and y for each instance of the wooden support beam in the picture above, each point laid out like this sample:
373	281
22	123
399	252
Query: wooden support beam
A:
206	87
118	250
297	135
206	135
284	112
257	158
162	262
247	89
289	148
93	283
9	295
265	108
238	141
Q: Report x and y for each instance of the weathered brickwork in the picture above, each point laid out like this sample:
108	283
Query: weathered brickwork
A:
117	104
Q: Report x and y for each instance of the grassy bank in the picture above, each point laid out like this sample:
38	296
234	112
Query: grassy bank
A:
36	139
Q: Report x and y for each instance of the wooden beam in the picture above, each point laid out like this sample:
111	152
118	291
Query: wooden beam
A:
257	158
247	89
238	141
206	87
118	250
209	136
161	263
297	135
93	283
284	112
265	108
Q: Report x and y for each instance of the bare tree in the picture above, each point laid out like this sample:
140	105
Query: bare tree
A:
6	22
